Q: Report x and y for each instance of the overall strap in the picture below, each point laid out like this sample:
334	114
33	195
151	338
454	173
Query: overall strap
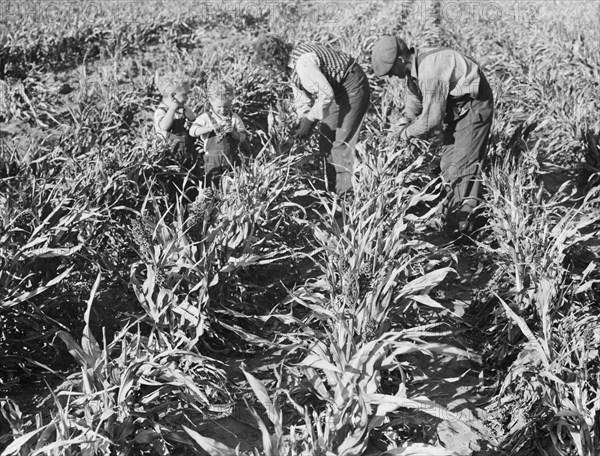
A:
212	121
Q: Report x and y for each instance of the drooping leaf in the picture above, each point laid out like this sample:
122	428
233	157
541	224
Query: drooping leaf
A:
262	394
211	446
88	342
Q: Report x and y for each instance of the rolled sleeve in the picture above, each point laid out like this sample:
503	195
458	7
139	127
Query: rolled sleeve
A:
315	83
202	121
302	102
159	114
413	106
435	95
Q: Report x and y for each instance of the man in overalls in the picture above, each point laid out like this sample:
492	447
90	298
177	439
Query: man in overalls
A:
444	85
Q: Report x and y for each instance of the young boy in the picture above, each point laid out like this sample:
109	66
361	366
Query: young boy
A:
170	120
222	131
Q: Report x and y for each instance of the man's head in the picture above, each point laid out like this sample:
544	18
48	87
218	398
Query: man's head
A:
391	57
273	52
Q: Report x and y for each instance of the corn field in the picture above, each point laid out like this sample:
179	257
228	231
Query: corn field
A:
251	321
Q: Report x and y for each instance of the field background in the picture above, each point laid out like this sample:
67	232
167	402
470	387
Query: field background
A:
134	321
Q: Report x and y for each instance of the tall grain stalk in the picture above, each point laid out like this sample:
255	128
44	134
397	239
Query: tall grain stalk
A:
553	378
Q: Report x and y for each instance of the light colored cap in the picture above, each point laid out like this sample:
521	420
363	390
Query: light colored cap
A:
384	55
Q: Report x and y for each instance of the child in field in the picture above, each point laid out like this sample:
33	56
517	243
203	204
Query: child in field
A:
222	131
170	120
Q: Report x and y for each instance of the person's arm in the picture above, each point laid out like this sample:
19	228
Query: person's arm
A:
159	114
189	114
239	132
314	82
412	106
302	103
166	122
201	126
435	96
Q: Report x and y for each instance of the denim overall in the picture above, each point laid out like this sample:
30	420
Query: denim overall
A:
181	145
181	152
221	154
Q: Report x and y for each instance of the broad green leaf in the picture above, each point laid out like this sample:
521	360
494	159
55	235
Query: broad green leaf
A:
417	403
263	396
15	446
82	439
317	362
355	441
211	446
266	436
88	342
75	350
37	291
427	301
524	329
425	283
52	252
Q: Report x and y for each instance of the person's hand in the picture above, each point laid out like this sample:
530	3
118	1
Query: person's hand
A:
404	121
173	103
305	128
402	136
226	126
189	114
398	132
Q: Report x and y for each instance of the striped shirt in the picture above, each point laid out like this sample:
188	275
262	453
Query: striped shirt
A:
437	77
316	72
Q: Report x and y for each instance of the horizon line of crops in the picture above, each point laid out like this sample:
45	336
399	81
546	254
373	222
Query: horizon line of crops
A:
106	29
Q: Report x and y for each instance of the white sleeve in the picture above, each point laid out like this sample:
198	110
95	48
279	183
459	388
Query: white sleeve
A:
314	82
158	116
201	121
238	123
302	103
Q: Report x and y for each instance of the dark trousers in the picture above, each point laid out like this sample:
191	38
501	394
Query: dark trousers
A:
214	168
221	156
464	150
340	129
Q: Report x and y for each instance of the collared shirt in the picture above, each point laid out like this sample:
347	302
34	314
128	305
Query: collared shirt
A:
440	75
212	118
314	81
